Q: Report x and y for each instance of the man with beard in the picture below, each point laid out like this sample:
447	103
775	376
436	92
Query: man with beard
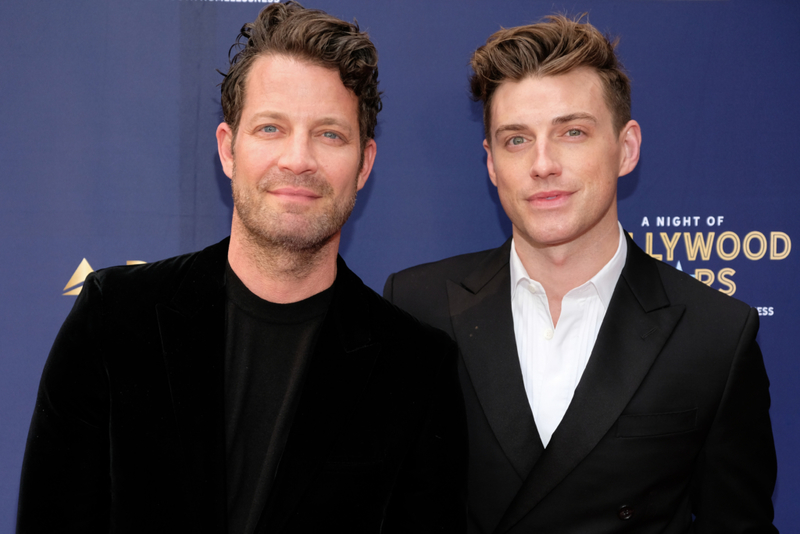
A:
257	385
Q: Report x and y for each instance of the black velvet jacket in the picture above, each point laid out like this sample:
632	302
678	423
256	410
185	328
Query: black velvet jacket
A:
128	434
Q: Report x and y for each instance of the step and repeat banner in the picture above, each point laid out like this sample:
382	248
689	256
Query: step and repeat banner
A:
108	156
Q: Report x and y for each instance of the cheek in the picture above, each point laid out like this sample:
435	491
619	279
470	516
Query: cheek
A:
251	162
510	177
509	199
335	160
504	189
602	177
343	181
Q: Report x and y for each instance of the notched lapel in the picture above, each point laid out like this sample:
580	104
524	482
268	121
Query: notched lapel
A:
638	323
480	310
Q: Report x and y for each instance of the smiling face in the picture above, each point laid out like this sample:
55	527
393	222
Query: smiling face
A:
294	162
555	158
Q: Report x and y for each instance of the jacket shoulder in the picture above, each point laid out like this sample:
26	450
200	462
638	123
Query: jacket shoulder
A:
453	268
657	284
401	329
422	290
158	281
684	289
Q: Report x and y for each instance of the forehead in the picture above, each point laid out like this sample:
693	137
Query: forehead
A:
296	86
543	98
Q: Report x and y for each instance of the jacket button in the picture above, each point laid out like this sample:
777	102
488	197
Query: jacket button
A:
625	512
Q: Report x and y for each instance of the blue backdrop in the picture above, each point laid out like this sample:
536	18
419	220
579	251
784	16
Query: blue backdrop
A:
108	152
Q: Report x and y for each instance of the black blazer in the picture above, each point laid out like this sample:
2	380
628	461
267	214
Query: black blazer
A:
128	434
670	418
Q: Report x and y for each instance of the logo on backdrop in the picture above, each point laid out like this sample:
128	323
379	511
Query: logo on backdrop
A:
75	283
700	238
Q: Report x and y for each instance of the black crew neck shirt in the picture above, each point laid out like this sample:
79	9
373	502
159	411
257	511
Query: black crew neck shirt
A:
267	350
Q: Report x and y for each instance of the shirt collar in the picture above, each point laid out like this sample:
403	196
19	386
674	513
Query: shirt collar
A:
604	281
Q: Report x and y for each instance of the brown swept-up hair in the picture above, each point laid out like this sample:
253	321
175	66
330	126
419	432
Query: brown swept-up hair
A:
556	46
310	35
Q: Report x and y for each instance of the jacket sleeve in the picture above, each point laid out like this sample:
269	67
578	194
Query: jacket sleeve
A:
65	483
737	467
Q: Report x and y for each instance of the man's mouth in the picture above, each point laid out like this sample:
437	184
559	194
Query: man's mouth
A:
298	193
548	196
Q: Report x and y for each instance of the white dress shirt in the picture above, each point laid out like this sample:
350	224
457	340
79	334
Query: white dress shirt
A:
552	359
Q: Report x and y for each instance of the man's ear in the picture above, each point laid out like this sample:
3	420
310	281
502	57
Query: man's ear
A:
490	162
370	149
225	148
631	138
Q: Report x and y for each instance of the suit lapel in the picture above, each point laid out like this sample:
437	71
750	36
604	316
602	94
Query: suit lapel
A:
480	309
192	329
636	326
337	374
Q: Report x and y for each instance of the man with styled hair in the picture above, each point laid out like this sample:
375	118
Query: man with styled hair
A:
605	391
257	385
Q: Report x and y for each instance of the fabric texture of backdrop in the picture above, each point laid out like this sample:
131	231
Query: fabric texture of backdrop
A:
109	156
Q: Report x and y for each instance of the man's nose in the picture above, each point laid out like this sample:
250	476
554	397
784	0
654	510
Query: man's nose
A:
297	155
545	160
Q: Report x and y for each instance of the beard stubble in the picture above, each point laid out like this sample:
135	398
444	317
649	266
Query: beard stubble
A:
295	229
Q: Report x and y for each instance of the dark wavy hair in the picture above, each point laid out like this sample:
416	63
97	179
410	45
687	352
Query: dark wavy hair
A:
311	35
549	48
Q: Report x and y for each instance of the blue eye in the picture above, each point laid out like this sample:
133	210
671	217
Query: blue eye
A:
331	135
516	140
270	129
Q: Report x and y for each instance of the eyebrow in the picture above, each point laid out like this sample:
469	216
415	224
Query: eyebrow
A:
509	128
270	115
574	117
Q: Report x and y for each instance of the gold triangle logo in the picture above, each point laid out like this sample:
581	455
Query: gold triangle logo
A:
77	278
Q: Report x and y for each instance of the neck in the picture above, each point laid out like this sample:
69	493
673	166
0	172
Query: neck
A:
561	268
282	276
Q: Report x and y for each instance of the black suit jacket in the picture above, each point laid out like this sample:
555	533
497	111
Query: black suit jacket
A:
128	433
670	419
